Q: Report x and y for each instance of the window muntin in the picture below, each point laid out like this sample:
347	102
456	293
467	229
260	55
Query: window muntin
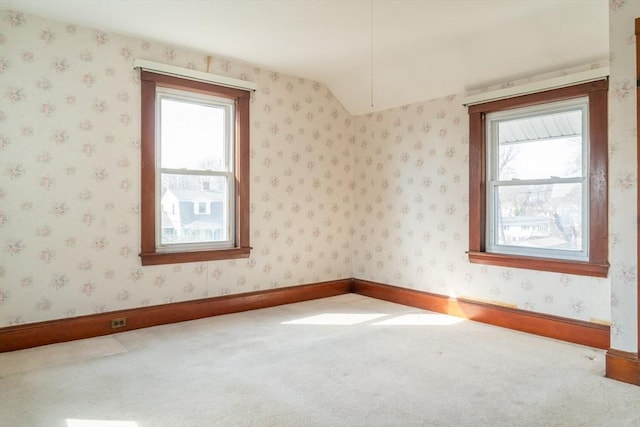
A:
194	167
537	180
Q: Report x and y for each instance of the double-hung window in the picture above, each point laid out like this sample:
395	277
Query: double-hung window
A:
195	170
537	189
538	181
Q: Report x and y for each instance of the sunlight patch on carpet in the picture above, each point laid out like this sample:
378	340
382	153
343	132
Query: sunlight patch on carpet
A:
421	319
336	319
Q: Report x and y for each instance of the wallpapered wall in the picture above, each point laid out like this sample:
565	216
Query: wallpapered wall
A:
623	174
411	206
389	189
70	186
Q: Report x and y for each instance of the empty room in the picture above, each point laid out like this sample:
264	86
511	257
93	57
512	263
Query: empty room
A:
319	213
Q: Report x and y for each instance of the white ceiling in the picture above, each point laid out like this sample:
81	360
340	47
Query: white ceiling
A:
422	49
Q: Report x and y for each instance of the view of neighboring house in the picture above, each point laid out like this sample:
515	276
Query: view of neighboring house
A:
192	216
541	232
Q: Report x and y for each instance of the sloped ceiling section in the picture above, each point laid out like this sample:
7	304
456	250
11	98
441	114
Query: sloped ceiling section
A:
372	54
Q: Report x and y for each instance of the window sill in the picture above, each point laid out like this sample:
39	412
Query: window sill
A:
158	258
582	268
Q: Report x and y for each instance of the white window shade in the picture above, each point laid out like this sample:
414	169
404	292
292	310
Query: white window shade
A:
172	70
539	86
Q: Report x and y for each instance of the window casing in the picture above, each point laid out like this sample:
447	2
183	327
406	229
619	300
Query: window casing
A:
534	212
195	170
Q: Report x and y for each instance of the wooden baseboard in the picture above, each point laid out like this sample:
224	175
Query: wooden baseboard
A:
50	332
575	331
623	366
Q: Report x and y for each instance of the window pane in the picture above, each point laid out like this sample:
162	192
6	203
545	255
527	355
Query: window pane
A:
540	147
194	209
539	216
192	136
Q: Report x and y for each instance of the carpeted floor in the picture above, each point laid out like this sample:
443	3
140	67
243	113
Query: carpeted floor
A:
342	361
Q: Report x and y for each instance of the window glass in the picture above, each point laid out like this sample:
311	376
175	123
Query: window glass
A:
539	159
539	146
192	135
193	214
539	217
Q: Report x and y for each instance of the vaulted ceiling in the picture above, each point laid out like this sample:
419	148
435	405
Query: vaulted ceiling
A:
372	54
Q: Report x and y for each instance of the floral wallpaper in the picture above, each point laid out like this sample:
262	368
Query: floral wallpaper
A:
70	178
623	174
411	206
381	197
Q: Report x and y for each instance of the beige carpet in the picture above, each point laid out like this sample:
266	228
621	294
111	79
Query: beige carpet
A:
342	361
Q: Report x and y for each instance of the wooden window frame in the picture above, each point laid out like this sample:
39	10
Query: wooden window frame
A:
149	255
597	265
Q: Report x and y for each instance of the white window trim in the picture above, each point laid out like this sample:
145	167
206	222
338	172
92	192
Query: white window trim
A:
228	173
492	182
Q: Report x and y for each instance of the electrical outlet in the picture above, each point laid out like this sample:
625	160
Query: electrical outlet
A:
118	323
